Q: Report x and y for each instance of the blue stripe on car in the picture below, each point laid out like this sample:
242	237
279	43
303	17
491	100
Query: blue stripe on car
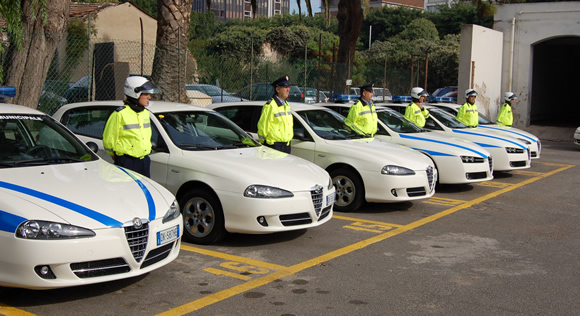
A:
64	203
148	196
9	222
508	131
445	143
489	136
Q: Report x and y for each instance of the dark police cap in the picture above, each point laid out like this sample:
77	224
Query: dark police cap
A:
282	82
367	87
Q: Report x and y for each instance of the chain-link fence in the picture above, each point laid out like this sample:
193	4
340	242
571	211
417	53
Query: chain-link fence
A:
86	69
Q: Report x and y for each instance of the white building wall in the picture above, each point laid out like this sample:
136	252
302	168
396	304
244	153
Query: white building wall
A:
524	25
480	62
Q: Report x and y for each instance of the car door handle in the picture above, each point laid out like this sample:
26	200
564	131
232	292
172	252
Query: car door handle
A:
175	170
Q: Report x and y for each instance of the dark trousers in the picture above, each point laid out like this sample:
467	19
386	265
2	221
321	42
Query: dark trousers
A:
141	166
283	147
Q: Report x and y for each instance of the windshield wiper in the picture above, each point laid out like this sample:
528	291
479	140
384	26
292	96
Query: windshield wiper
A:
197	146
334	137
46	161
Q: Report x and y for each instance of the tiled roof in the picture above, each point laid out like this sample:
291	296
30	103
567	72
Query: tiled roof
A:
82	9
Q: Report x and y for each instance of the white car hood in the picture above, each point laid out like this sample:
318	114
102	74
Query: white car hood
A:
452	145
258	165
92	194
378	151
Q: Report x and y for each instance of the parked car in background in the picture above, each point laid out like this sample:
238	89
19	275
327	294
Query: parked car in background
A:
577	136
508	153
442	91
483	122
362	167
225	181
382	95
264	91
323	97
78	91
309	95
216	93
68	217
51	97
457	161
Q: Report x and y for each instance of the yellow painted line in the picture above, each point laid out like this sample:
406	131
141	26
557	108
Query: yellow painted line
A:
443	201
229	257
528	173
365	221
12	311
255	283
227	273
364	229
495	184
554	164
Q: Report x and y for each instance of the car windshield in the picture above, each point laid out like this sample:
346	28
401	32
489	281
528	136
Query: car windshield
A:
446	119
483	120
330	125
32	140
212	91
203	130
397	122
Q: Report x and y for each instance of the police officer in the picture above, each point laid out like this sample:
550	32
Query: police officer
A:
468	114
505	116
415	112
275	127
362	114
127	134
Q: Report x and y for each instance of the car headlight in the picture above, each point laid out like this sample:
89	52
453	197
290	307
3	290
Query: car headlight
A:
397	171
266	192
513	150
172	212
470	159
578	130
329	183
50	230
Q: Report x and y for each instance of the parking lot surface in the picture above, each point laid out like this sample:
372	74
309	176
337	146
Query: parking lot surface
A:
507	246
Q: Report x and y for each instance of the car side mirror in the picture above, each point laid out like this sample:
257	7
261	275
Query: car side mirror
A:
300	134
93	146
430	125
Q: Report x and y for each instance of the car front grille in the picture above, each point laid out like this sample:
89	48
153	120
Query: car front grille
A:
99	268
430	178
517	164
157	255
295	219
490	160
137	237
534	154
325	212
476	175
317	199
419	191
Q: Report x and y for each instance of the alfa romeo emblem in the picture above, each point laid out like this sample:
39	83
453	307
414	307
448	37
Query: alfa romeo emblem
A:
318	189
137	222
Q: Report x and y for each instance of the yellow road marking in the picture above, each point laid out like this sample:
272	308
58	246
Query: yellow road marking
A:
364	229
227	273
252	284
229	257
443	201
495	184
527	173
554	164
12	311
346	218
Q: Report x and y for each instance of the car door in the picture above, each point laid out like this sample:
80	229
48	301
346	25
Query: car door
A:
303	144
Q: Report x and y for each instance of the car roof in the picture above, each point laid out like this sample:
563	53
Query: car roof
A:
296	106
7	108
154	106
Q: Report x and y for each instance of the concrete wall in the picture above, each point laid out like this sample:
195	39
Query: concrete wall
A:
480	63
525	25
121	22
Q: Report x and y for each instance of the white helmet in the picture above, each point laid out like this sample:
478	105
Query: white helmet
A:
508	96
418	92
135	85
470	92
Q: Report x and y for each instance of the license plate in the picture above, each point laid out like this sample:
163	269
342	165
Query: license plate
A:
167	235
329	199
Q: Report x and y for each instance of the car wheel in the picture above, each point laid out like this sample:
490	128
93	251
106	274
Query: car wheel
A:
350	191
203	217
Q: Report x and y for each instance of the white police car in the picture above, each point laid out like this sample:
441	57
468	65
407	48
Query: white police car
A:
224	180
362	167
577	136
458	161
69	218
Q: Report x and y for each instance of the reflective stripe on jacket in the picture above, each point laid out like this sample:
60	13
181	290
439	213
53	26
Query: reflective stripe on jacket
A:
128	133
468	114
276	123
505	116
363	116
416	114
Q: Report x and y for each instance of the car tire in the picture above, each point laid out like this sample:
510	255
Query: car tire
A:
350	190
203	217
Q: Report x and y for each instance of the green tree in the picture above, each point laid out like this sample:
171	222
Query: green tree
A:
387	22
420	28
238	43
450	19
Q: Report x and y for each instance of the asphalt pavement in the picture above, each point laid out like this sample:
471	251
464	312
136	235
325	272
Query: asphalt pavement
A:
551	133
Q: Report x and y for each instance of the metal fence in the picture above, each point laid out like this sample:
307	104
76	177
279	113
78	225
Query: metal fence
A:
86	69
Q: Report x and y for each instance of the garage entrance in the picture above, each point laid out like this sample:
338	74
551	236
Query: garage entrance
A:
556	82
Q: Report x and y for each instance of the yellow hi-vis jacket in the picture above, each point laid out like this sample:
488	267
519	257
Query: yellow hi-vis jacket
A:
468	115
505	116
416	114
128	133
276	123
364	116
